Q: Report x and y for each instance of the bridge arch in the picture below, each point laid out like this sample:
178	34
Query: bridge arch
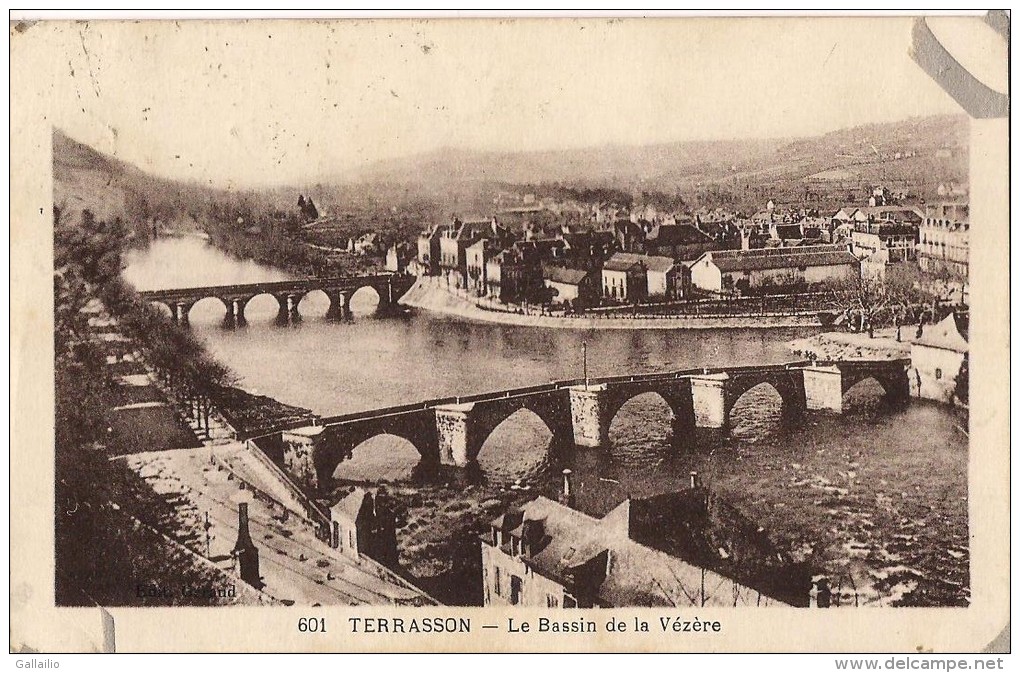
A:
382	456
645	410
261	305
553	410
851	379
338	441
206	303
788	384
515	445
365	299
617	402
316	300
164	307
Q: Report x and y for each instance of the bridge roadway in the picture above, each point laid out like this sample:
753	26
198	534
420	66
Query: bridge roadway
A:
288	294
452	430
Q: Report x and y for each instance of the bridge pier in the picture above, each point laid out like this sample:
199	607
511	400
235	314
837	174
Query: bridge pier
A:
235	311
589	415
339	305
709	394
288	308
181	310
457	444
345	306
823	388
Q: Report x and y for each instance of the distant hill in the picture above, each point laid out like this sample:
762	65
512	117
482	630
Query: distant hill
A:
919	153
925	150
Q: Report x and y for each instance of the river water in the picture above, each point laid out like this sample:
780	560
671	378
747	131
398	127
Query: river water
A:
878	495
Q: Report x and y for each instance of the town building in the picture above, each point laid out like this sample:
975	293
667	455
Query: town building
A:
456	239
588	249
937	358
548	555
398	256
366	244
625	277
881	213
773	269
889	266
360	524
868	238
943	240
576	286
630	236
682	241
515	274
429	250
476	259
661	274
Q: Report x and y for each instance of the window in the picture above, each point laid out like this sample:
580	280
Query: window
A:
516	586
350	536
498	578
552	601
938	373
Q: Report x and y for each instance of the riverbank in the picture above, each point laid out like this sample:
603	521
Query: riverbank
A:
431	297
847	346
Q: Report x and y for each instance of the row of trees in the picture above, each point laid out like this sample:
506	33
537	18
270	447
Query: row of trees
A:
102	551
867	303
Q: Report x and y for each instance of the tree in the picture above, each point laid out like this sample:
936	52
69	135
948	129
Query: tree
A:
861	300
309	210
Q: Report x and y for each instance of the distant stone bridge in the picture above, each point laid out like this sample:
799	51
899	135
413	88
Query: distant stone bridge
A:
288	294
453	430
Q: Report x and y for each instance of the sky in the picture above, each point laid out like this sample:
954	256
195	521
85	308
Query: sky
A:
273	102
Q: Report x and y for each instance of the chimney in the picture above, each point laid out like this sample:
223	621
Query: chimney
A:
695	482
567	497
245	551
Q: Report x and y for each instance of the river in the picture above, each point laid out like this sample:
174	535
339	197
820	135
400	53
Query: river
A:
876	495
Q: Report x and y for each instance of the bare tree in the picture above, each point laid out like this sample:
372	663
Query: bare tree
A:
861	300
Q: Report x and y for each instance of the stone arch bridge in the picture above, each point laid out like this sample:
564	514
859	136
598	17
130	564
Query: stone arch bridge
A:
288	294
453	430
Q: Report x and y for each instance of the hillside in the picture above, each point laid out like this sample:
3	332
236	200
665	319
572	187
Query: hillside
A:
918	151
84	178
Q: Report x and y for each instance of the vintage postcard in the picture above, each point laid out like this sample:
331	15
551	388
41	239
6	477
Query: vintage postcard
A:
507	334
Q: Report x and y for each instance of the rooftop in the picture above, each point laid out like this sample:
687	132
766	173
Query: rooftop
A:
636	575
678	234
559	274
949	334
351	504
626	261
778	258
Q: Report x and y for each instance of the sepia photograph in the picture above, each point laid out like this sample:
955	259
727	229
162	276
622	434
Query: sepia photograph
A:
538	315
